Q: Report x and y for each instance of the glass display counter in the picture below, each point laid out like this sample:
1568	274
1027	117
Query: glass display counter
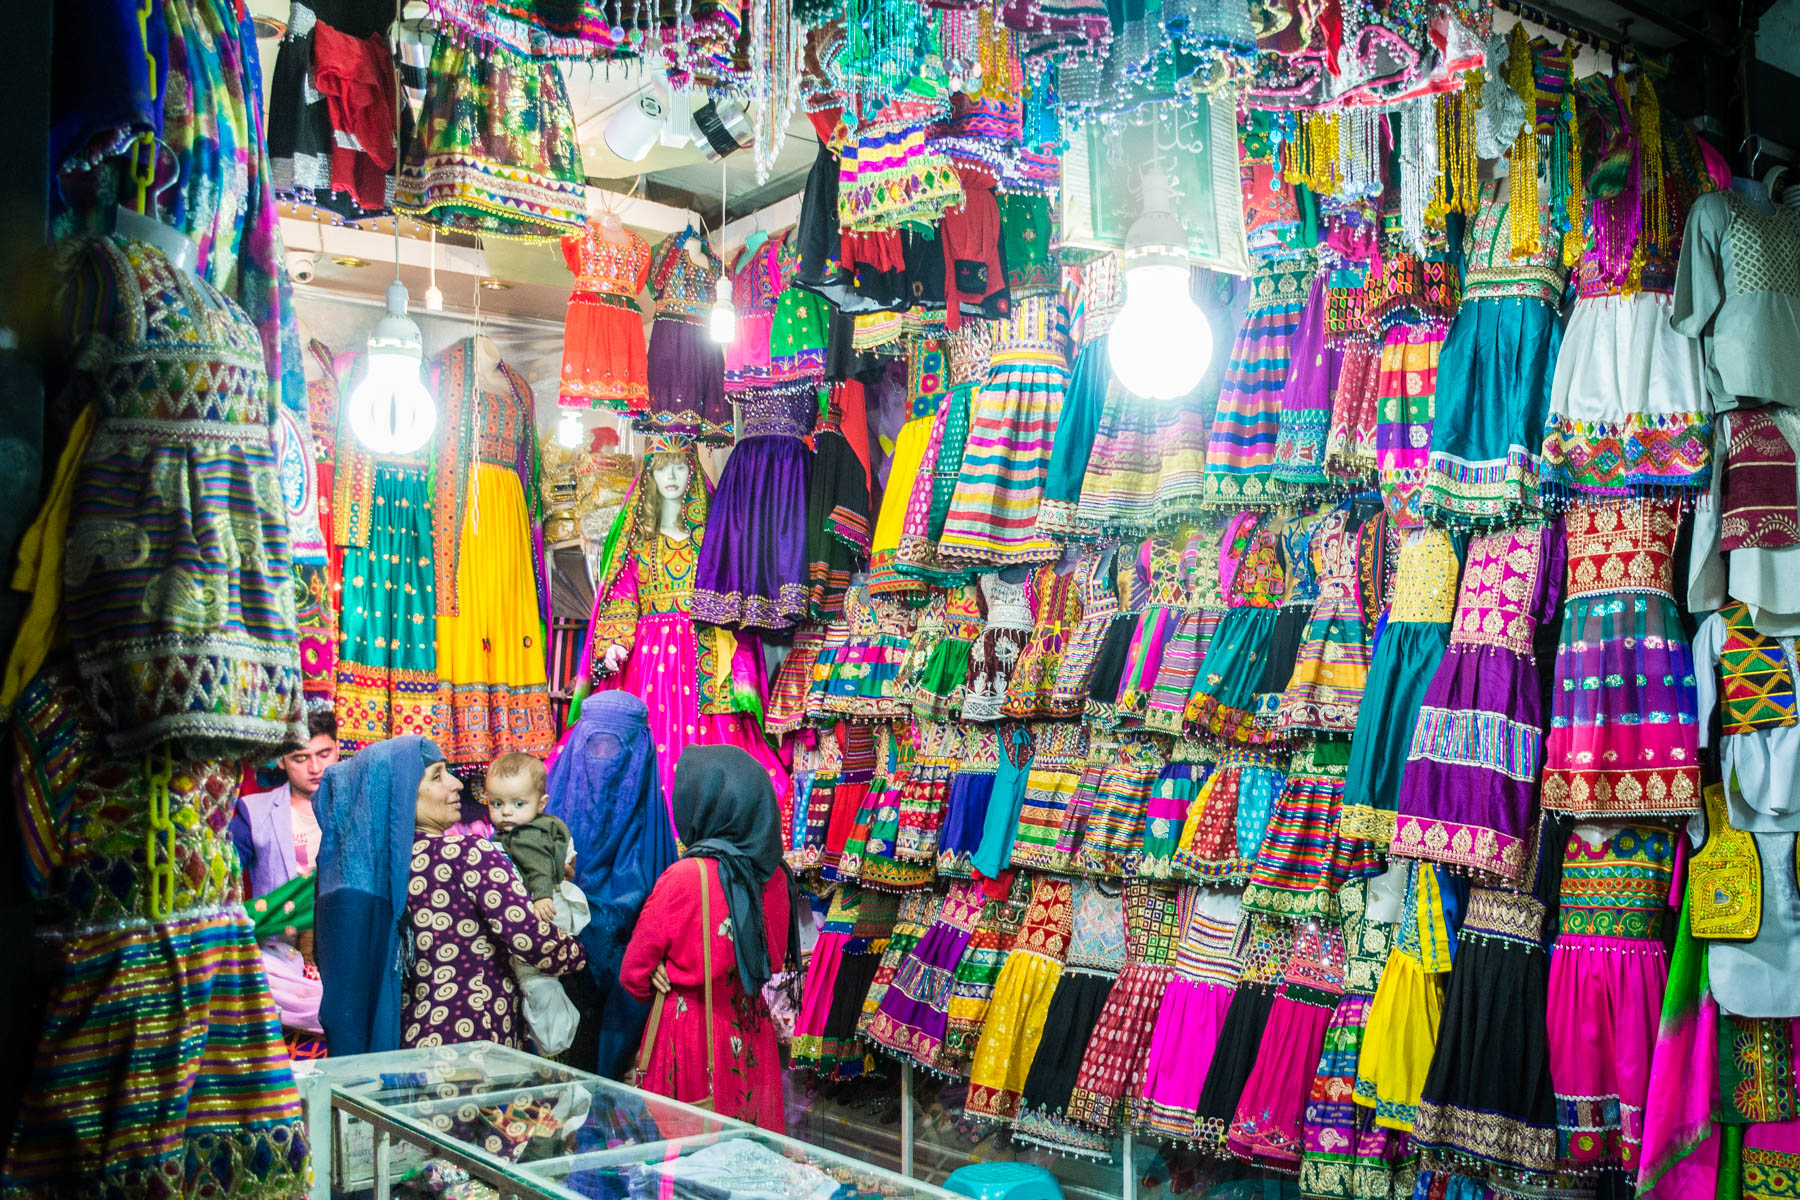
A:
530	1127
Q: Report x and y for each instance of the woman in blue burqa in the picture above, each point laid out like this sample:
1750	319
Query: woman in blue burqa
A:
418	927
605	786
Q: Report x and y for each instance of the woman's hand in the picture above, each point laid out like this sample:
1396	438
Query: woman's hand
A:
659	978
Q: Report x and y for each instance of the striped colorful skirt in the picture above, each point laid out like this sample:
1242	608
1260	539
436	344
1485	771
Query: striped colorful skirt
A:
1240	450
1355	411
1224	830
1303	860
160	1071
1406	401
993	512
387	673
491	652
1119	492
1345	1155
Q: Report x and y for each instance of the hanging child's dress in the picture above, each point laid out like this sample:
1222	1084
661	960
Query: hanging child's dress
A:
603	336
1241	448
752	572
490	624
1407	653
993	512
685	367
387	669
1469	794
1623	737
1495	373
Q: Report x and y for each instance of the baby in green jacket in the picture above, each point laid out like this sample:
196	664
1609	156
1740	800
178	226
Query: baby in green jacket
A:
539	846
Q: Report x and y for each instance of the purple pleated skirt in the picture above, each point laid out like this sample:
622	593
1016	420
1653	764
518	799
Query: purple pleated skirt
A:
686	371
751	572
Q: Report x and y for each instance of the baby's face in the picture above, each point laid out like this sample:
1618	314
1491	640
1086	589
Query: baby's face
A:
513	802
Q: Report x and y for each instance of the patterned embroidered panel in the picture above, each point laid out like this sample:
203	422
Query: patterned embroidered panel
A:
1759	501
1758	676
612	272
1498	604
1622	545
1618	886
1425	581
1493	273
1765	248
1724	877
1756	1069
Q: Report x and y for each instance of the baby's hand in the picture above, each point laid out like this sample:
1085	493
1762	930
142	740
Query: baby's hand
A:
545	909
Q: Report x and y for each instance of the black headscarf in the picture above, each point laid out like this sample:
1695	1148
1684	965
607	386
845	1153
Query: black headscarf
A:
725	810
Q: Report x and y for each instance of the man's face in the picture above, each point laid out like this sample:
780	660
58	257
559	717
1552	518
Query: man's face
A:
513	802
306	766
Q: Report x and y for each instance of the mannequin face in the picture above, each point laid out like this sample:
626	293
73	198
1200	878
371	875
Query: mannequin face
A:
671	478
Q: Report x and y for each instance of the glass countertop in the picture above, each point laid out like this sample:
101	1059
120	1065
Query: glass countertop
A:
561	1132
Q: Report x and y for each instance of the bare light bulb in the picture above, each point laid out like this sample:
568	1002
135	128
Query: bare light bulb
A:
721	321
568	430
391	412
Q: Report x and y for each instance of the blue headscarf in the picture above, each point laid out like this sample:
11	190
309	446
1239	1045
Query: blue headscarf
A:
605	787
366	808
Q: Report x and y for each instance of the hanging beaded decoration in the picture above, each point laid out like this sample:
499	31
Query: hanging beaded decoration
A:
885	43
1646	118
776	44
1418	163
1523	157
1575	193
1359	153
1456	187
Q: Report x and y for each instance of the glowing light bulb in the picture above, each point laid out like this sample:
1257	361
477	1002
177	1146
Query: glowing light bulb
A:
568	430
721	321
391	412
1160	344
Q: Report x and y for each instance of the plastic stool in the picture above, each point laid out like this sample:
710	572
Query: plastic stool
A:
1004	1181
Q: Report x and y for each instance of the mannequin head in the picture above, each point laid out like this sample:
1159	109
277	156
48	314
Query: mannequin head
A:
670	473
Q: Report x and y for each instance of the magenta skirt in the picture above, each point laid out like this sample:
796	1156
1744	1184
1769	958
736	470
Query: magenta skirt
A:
1605	1000
1181	1052
1267	1126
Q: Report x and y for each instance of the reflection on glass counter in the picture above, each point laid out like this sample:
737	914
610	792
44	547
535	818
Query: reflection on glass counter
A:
530	1127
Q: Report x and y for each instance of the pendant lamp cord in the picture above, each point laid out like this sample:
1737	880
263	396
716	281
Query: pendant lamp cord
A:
399	92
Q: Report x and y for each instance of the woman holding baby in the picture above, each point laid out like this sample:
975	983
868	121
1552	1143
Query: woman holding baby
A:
419	930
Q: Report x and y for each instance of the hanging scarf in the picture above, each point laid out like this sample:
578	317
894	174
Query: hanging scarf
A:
1681	1148
725	810
366	807
605	787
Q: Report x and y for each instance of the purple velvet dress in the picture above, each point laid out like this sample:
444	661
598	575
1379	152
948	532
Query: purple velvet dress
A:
1469	795
470	916
752	572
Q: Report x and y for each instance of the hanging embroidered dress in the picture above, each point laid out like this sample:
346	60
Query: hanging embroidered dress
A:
1469	793
1224	698
1407	654
1407	1010
1209	559
387	677
1096	586
1264	947
1046	840
1488	1109
1241	449
1056	605
906	492
753	572
843	962
756	280
1326	689
996	652
1015	1021
1193	1011
490	652
1624	736
1608	972
1110	1084
1097	299
1096	956
701	685
685	368
177	574
993	513
913	1016
1304	424
159	1064
1417	300
495	151
1223	833
603	334
1304	857
1495	373
1161	559
1629	410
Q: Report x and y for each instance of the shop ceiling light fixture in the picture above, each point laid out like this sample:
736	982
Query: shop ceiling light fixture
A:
636	128
721	321
390	410
1160	344
434	295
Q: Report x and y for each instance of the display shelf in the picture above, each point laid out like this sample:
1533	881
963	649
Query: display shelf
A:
524	1125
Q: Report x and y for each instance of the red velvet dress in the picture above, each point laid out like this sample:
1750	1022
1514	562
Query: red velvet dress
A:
748	1061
